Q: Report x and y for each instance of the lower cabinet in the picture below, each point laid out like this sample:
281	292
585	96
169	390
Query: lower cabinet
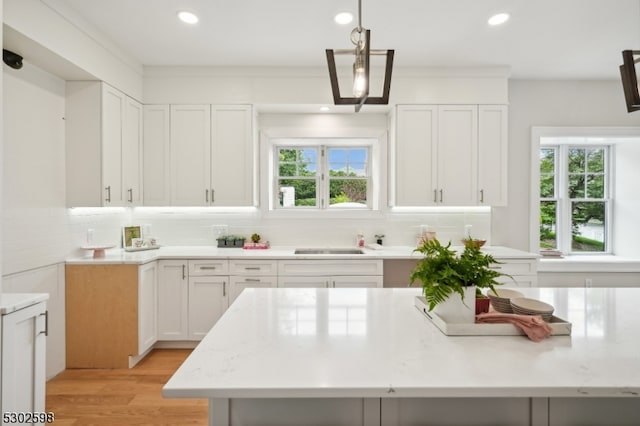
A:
251	274
192	295
330	273
111	314
23	361
208	299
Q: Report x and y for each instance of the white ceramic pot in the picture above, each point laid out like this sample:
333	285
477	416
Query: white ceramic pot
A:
456	311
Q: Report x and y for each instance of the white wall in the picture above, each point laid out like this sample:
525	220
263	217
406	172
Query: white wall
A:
549	103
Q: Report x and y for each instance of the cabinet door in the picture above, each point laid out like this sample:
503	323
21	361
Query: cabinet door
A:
156	156
415	155
457	155
190	155
132	152
303	282
238	283
173	300
147	306
112	113
24	360
208	299
232	156
356	282
492	155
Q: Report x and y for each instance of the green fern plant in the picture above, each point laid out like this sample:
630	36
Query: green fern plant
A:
443	272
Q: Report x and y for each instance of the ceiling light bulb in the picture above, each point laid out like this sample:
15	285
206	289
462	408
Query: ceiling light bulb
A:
498	19
343	18
359	78
188	17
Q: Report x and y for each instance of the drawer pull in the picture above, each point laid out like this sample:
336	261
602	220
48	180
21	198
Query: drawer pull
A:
252	268
46	323
495	267
208	267
252	280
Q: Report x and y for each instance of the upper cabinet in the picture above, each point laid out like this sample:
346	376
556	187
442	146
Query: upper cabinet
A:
450	155
200	155
103	146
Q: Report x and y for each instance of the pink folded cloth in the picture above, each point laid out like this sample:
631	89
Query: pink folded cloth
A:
533	325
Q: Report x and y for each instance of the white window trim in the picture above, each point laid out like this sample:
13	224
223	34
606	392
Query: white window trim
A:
378	179
538	133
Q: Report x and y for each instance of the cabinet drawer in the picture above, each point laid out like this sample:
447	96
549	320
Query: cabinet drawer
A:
208	267
516	267
253	267
329	267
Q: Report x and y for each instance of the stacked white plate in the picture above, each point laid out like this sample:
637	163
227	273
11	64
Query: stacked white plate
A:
501	299
525	306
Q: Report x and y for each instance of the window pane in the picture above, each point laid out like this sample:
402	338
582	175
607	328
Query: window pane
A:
587	226
346	192
297	192
547	160
348	161
576	160
297	162
576	186
595	160
548	215
595	186
547	186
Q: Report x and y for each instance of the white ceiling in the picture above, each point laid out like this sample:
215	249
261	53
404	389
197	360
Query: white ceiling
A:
579	39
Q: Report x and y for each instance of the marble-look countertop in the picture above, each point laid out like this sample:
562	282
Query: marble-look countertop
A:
319	343
120	256
11	302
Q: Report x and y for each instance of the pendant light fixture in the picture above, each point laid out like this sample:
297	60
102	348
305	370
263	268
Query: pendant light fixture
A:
629	75
361	38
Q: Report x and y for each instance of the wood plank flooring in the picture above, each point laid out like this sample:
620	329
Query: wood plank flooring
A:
124	396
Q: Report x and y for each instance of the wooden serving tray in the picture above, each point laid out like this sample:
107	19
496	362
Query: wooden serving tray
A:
560	326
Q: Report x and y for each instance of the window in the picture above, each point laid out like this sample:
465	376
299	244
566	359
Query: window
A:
323	176
574	196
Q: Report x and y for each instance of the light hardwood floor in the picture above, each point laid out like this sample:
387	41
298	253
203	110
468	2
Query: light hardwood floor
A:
123	396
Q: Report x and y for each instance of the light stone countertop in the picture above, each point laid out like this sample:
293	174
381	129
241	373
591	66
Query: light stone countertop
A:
374	343
120	256
11	302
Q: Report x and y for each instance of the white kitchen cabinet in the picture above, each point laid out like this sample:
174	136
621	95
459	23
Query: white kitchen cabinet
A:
212	155
522	272
330	273
147	306
251	274
103	146
190	154
208	299
173	300
23	357
452	155
493	151
156	156
233	156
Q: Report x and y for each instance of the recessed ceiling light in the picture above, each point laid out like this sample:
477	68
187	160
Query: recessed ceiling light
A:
188	17
324	108
343	18
498	19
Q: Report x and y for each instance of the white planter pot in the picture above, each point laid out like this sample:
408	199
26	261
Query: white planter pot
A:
455	311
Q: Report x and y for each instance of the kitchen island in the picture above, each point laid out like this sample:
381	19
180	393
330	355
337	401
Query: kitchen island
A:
369	357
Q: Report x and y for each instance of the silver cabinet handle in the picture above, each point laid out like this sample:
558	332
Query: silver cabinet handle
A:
224	288
435	195
206	196
46	323
108	189
251	268
252	280
482	195
207	267
441	195
130	191
213	196
183	271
